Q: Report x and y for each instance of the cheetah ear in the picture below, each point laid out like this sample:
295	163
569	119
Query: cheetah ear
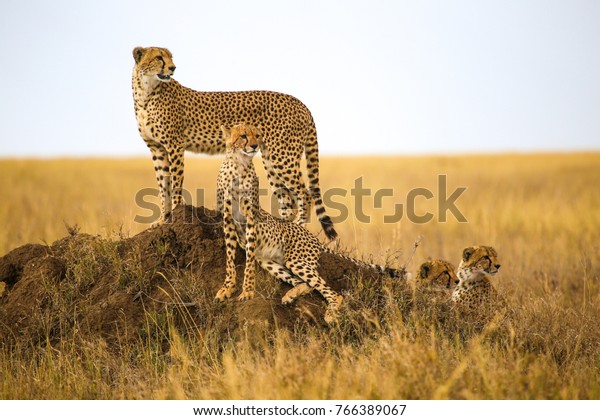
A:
467	252
137	53
424	270
491	250
226	134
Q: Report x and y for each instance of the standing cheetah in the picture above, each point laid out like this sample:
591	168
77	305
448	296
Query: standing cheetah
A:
474	289
173	118
285	250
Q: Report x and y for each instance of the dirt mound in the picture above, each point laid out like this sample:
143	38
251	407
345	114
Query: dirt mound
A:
122	289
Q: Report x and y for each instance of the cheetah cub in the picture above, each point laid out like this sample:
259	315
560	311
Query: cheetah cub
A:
436	275
474	288
286	250
433	286
434	282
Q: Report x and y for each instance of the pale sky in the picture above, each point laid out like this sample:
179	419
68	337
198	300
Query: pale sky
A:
380	77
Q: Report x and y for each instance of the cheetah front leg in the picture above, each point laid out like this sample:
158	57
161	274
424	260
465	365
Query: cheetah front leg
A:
163	179
250	270
230	246
220	199
176	165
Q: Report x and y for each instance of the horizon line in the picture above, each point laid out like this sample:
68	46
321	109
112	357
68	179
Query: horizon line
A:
321	155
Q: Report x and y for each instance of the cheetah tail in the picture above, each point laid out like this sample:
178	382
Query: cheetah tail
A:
380	269
312	167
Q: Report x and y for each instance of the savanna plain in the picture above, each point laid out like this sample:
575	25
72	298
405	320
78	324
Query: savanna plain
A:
540	212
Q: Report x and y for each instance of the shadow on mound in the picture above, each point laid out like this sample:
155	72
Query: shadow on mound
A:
139	287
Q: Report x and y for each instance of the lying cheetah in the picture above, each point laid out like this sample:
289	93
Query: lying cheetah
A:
434	281
285	250
474	289
172	119
436	275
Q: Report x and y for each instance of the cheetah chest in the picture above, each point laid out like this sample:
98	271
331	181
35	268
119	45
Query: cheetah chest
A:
144	124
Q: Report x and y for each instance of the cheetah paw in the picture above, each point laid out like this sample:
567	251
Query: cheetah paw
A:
223	294
332	312
246	295
295	292
157	224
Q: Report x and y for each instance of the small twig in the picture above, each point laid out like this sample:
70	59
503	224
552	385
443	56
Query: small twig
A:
416	244
139	294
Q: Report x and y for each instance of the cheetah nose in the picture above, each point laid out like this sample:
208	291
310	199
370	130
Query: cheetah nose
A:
254	146
172	68
497	266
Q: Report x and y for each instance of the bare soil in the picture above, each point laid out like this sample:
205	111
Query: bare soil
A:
117	289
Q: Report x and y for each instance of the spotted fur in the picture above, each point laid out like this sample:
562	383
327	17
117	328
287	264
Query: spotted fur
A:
286	250
436	275
173	118
474	289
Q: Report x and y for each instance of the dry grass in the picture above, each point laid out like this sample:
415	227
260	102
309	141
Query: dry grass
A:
539	211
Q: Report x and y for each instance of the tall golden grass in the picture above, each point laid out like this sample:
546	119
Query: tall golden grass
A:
539	211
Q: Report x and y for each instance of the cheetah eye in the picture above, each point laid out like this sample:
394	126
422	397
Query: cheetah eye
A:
243	136
159	58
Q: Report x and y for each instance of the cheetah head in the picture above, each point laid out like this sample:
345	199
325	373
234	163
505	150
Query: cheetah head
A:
479	258
154	62
436	274
243	140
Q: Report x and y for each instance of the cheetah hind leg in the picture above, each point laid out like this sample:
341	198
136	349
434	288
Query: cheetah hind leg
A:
282	273
295	292
332	312
301	199
310	275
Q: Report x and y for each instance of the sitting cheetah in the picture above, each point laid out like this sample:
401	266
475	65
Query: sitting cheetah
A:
173	118
284	249
434	281
474	288
436	275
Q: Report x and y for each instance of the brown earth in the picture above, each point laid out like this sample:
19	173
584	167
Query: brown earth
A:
121	289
